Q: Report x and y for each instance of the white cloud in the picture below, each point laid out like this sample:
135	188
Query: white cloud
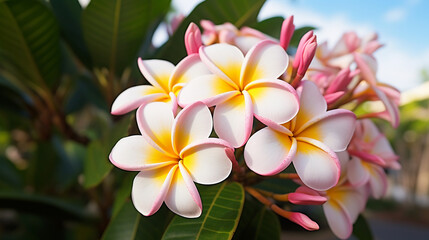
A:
397	66
395	15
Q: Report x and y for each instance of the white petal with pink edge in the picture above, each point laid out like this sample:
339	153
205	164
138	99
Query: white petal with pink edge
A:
193	123
273	99
266	59
150	188
357	174
378	182
183	197
187	69
335	128
311	103
223	60
134	153
269	152
352	200
233	119
245	43
134	97
316	165
157	72
207	162
209	89
155	122
338	220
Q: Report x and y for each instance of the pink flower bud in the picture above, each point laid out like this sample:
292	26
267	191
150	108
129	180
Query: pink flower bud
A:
287	31
192	39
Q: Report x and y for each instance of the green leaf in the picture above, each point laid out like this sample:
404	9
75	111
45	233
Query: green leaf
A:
238	12
41	169
222	206
130	224
123	193
29	44
115	29
297	35
69	15
361	229
271	26
97	165
45	206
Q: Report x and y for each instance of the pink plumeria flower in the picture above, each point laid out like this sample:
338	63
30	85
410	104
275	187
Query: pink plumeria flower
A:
310	141
371	152
345	203
244	39
166	79
172	154
243	87
304	55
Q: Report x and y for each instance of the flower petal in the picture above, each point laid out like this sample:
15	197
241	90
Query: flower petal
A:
183	197
134	97
209	89
223	60
157	72
356	172
378	182
134	153
233	119
316	165
311	103
334	128
150	189
189	68
274	100
155	122
338	220
193	123
207	162
267	59
269	152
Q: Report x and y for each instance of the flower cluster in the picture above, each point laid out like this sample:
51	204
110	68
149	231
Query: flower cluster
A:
275	108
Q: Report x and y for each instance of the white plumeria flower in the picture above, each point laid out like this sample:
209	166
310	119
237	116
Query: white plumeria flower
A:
172	154
243	87
345	203
310	141
371	152
166	79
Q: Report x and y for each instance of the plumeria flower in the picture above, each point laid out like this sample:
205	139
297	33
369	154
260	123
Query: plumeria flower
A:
172	154
345	203
243	87
371	152
310	141
244	39
166	79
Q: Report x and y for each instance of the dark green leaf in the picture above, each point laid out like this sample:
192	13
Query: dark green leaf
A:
97	164
42	205
265	225
69	14
42	166
238	12
297	35
129	224
123	193
29	44
361	229
114	30
222	206
9	174
271	26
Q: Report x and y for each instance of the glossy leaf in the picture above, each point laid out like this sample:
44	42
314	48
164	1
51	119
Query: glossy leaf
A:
29	44
115	29
238	12
361	229
264	225
97	165
271	26
123	193
129	224
222	207
69	15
